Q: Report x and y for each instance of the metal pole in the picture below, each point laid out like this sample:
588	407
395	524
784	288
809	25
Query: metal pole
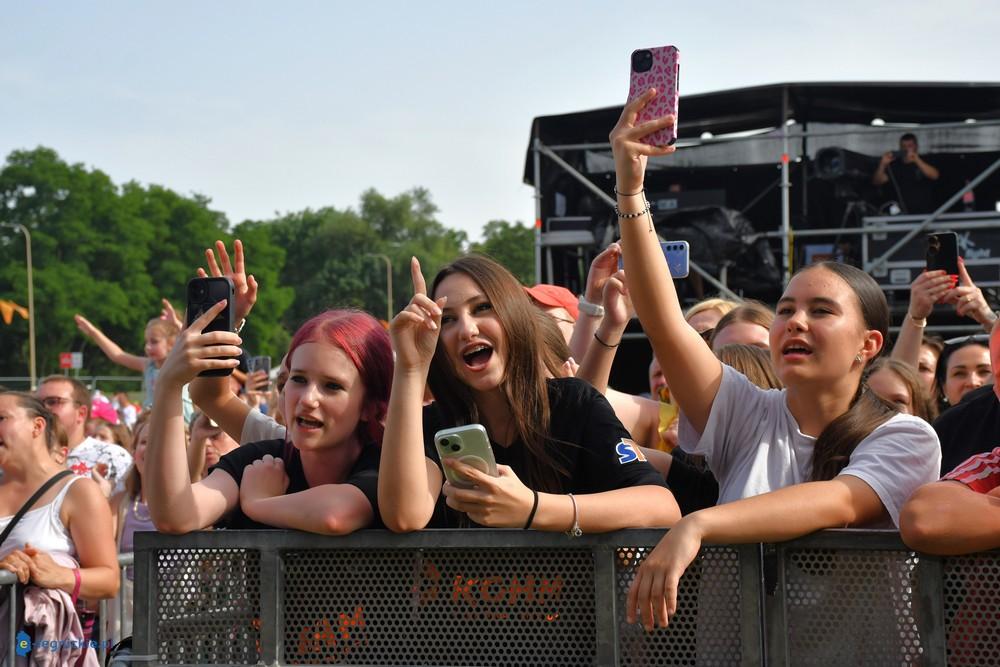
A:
388	283
549	153
31	299
538	209
933	216
786	213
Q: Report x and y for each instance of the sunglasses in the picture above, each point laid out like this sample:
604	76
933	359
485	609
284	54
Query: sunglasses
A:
55	401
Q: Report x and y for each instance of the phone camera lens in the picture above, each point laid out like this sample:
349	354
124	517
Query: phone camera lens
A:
445	442
455	447
642	60
198	291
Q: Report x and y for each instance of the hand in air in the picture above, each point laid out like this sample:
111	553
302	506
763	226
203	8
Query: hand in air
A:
170	315
630	153
498	502
194	351
928	288
84	325
886	159
603	267
244	286
616	301
262	479
414	331
652	597
968	299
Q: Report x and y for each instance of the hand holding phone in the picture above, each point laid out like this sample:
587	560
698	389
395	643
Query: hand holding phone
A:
202	294
469	444
656	68
676	254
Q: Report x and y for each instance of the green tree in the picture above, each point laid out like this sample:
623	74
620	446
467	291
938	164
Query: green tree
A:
511	244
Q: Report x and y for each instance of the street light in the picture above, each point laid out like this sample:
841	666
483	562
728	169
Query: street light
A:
388	283
31	298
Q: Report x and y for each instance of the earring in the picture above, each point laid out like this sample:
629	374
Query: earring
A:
858	358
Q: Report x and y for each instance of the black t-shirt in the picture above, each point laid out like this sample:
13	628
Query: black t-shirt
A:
969	428
587	439
363	475
915	189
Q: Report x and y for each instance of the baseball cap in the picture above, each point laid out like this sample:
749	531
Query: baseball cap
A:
554	296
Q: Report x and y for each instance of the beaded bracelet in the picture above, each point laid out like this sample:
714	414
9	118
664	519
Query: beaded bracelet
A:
627	216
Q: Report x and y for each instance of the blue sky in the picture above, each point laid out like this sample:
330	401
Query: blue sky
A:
274	107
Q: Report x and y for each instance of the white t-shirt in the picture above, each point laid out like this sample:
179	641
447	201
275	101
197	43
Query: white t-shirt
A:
753	445
83	458
258	426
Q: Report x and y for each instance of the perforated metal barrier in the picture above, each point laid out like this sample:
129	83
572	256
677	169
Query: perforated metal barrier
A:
522	598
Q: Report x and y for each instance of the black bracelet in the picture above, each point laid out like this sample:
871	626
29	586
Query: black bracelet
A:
534	508
598	339
629	194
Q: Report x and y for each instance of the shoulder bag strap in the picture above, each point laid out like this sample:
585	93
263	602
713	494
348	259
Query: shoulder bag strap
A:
31	501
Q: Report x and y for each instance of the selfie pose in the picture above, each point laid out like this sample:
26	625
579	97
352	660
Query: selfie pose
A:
819	454
565	463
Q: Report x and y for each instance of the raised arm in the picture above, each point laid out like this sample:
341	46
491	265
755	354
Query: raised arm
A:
841	502
109	347
881	177
949	519
409	483
211	394
692	371
602	268
927	289
175	504
969	300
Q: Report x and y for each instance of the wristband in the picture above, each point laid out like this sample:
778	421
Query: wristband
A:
598	339
592	309
531	514
575	530
921	322
76	585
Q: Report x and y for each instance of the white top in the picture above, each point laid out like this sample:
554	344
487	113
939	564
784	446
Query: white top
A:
41	527
258	426
753	445
83	458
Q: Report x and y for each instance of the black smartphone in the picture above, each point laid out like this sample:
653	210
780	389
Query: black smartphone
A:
202	294
942	252
261	363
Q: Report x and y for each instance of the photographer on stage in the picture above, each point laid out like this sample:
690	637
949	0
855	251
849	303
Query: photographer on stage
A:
909	174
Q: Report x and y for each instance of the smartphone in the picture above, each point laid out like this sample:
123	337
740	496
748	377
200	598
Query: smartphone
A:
469	444
676	253
261	363
942	252
656	68
202	294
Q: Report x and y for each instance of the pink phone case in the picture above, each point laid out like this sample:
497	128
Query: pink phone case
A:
663	74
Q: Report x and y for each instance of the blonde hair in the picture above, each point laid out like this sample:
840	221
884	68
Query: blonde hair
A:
719	304
165	328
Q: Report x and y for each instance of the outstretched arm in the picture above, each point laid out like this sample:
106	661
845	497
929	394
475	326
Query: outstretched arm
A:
602	268
693	372
927	289
837	503
176	505
949	519
409	483
109	347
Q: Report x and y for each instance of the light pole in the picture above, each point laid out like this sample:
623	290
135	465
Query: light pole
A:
388	283
31	298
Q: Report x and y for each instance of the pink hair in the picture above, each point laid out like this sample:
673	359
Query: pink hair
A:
366	343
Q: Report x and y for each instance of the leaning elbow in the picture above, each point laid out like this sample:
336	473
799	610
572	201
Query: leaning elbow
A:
919	527
170	527
399	524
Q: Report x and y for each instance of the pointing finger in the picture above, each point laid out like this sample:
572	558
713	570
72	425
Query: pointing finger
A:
419	284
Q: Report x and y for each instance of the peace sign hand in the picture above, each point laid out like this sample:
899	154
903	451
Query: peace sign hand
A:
414	331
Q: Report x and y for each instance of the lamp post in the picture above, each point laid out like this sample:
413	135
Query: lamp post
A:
388	283
31	298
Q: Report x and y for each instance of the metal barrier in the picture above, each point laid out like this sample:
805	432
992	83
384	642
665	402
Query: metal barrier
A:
481	597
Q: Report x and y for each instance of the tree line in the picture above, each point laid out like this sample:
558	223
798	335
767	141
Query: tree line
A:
111	252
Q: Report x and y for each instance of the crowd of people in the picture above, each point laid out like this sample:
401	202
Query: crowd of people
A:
751	411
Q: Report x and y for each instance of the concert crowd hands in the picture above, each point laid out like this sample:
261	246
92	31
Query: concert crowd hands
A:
935	287
496	502
244	286
415	330
194	351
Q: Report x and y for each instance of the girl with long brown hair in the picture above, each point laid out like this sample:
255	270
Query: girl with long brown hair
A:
475	340
820	453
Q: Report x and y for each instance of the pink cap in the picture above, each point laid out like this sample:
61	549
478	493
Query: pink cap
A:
103	410
555	296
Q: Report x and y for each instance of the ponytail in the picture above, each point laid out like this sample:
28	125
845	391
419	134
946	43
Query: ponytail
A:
834	446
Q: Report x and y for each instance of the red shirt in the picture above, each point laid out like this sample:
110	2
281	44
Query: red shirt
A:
981	472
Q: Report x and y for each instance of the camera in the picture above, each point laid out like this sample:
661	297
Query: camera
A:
642	60
198	292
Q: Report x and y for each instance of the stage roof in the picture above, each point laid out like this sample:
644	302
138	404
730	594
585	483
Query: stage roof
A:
760	107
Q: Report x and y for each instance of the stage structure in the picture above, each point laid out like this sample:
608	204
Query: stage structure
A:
794	160
772	177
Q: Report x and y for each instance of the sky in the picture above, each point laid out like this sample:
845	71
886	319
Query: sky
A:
267	108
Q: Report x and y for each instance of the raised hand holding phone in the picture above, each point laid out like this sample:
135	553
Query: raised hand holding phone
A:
414	331
195	352
629	151
657	68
